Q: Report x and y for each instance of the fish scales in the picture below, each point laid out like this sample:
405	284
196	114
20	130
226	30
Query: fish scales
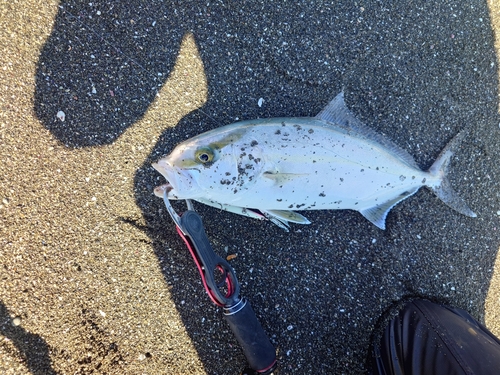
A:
267	167
294	153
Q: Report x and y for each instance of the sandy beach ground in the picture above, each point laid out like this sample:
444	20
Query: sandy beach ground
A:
93	276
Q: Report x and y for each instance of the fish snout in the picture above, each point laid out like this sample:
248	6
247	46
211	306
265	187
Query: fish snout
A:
163	167
181	184
166	168
159	167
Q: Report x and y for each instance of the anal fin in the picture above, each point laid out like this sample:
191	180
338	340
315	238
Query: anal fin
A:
377	214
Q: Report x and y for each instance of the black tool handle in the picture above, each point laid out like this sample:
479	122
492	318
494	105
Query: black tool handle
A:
258	350
193	226
256	346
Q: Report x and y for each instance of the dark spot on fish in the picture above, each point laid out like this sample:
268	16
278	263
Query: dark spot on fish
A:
310	131
278	132
228	173
412	177
243	154
377	168
235	191
256	160
314	161
402	178
387	184
298	127
283	123
362	170
279	200
291	206
322	194
225	182
300	205
355	203
254	143
234	178
286	134
404	193
423	181
250	156
248	166
341	179
242	149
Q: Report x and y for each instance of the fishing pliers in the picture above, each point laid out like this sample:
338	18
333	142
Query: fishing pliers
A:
221	284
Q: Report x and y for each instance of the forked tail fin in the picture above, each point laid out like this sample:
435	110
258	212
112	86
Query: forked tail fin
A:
439	169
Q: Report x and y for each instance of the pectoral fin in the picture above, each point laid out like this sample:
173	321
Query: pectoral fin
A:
377	214
281	178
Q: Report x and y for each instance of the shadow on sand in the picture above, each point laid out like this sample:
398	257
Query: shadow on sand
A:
416	71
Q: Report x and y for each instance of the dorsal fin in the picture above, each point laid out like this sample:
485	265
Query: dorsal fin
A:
337	113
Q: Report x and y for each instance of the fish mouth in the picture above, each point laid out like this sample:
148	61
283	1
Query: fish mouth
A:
160	190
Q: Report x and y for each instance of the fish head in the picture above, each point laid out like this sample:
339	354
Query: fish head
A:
215	165
181	175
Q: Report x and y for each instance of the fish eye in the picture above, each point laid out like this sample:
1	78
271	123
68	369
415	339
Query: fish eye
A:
204	155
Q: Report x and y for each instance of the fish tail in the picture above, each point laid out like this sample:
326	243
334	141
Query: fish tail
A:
443	190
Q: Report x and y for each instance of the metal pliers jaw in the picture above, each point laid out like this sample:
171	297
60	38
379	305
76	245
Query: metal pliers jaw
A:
217	274
176	217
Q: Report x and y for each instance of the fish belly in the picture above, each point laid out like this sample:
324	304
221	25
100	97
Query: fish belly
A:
327	190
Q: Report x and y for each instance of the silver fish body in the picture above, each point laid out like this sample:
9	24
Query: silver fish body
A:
268	167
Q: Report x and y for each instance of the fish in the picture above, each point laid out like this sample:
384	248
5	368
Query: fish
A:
270	168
